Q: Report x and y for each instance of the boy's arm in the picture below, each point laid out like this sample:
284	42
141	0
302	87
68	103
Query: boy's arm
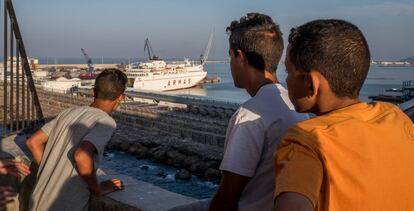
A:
85	164
292	201
36	144
228	194
299	175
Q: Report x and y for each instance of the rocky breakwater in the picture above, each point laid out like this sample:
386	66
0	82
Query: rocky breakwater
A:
190	158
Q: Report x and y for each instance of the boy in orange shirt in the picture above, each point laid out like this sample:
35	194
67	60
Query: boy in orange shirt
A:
352	155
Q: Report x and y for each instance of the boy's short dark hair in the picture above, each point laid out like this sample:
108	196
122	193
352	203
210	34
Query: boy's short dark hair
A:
259	38
110	84
335	48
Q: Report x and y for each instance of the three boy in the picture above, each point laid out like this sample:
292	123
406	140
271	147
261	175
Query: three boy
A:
352	155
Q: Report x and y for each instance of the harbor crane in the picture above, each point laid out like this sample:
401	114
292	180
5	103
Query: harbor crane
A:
148	48
204	56
88	61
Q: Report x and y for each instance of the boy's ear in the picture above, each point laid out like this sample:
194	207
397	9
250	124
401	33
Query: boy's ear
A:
314	83
94	92
121	98
240	55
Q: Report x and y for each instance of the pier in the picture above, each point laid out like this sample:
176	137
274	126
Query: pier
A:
406	94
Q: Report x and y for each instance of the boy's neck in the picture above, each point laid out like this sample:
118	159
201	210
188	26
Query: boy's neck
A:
104	105
259	78
334	104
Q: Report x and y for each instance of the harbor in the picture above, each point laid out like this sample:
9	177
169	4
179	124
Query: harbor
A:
173	118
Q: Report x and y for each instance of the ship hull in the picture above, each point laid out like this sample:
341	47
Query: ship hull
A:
169	82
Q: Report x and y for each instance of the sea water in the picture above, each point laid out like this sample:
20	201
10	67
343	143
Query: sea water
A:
378	80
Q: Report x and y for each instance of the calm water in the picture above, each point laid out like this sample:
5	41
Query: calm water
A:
379	79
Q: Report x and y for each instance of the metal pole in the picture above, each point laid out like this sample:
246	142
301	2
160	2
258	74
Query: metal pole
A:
23	97
27	97
26	66
17	87
5	71
12	120
33	109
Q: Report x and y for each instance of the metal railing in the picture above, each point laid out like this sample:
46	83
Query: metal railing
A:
21	106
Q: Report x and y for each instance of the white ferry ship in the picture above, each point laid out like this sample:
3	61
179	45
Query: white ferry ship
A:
164	77
157	75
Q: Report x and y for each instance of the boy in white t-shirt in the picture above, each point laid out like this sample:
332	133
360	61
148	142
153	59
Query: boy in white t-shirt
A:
254	131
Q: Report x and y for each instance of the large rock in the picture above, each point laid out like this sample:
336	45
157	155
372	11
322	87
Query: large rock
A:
110	146
125	145
189	161
199	168
161	174
175	158
132	148
179	161
152	151
169	161
212	174
183	174
173	153
160	154
142	152
213	164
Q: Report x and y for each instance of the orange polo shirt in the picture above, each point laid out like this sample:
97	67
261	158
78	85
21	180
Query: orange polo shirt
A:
356	158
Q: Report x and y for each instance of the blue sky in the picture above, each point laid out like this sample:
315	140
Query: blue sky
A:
179	28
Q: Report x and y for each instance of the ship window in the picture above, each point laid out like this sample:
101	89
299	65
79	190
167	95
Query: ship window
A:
130	82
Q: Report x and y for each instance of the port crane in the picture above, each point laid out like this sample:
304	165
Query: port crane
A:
148	48
204	56
88	61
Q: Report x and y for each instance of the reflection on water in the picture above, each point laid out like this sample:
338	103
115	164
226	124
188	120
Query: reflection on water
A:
198	91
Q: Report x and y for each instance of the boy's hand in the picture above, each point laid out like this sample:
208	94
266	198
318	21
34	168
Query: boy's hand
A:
110	186
6	195
13	167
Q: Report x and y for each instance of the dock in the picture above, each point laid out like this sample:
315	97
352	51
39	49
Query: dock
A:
210	80
407	93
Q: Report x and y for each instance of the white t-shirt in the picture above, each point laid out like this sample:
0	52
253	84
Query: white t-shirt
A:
252	136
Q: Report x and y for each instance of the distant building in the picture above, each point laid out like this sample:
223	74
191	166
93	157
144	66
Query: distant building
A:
33	62
62	85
